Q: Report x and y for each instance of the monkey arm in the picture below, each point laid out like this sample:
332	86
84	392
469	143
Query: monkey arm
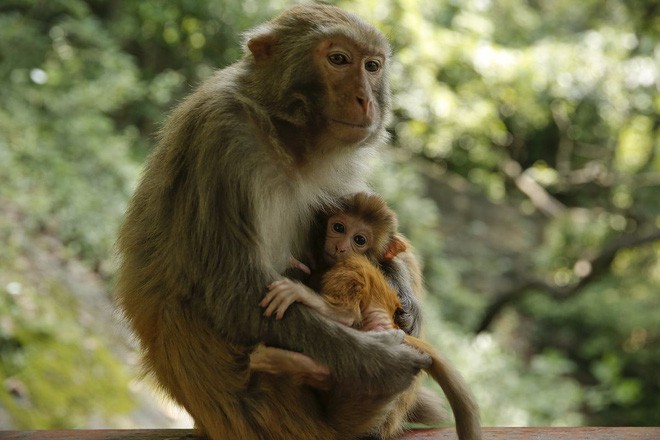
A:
404	277
390	365
302	368
284	292
378	361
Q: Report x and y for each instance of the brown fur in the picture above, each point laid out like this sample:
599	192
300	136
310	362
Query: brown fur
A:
393	254
353	283
229	193
373	210
365	213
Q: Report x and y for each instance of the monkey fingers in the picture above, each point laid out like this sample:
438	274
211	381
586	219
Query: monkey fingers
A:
282	294
278	299
285	292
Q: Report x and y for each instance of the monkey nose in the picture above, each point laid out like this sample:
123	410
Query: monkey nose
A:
363	103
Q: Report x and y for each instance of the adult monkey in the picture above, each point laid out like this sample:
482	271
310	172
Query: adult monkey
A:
226	197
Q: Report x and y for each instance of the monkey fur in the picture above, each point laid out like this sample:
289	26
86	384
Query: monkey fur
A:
403	272
354	282
366	226
367	285
229	192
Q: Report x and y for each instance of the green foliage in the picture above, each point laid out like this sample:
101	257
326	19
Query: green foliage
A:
53	373
509	392
63	155
621	355
404	187
88	83
56	372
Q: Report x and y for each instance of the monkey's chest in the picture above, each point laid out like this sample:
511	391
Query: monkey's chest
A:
289	202
284	220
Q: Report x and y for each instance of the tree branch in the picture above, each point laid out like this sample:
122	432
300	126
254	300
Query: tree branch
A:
587	269
541	199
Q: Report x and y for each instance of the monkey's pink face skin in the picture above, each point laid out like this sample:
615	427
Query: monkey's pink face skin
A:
353	78
345	235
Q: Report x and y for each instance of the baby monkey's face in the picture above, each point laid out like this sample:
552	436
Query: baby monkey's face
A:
344	236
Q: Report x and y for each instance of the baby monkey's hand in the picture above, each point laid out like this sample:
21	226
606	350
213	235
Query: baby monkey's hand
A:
284	292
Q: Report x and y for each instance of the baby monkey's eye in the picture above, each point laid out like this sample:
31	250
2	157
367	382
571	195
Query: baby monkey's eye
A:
338	227
360	240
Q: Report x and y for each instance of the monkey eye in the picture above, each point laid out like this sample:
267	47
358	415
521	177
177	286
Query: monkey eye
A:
360	240
372	66
338	227
338	58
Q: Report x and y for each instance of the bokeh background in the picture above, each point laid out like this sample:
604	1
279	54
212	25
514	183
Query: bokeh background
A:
524	165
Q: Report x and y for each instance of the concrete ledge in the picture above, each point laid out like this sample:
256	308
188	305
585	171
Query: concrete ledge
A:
581	433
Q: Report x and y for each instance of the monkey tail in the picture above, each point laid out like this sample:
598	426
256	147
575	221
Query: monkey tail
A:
463	404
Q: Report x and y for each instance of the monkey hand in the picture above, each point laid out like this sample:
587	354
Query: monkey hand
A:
385	365
282	293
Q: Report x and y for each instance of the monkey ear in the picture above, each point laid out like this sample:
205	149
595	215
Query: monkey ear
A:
394	248
262	46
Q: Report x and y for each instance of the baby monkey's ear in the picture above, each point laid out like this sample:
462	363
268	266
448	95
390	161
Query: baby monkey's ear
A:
394	248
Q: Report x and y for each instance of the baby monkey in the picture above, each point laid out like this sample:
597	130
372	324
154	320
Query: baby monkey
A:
364	225
355	292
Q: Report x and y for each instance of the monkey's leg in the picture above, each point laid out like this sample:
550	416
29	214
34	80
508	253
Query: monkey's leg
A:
210	379
340	408
399	412
355	414
428	408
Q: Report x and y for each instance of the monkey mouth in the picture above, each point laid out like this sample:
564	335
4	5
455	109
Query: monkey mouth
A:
331	258
350	132
350	124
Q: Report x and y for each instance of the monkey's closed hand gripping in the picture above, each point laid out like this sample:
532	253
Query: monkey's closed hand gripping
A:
390	366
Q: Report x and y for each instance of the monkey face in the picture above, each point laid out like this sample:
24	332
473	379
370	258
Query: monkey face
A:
353	77
346	235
